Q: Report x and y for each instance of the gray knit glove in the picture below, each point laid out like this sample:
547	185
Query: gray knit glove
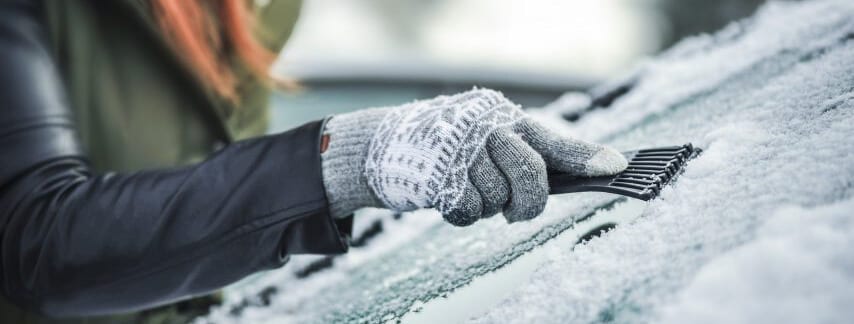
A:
469	155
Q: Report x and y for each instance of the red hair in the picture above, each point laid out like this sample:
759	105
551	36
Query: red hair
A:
206	32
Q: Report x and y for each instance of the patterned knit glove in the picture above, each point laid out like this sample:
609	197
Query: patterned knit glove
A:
469	155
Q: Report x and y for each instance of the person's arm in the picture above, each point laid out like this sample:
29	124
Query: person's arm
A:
77	243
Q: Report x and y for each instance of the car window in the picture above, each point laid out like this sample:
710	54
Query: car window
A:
770	102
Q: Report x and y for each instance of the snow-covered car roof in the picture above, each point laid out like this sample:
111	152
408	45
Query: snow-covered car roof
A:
759	228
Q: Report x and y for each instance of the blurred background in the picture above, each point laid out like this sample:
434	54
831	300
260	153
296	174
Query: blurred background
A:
350	54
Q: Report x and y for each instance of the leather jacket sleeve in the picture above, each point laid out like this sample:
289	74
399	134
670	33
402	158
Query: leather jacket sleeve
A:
73	242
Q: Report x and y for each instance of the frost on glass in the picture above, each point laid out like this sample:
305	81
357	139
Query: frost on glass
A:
771	101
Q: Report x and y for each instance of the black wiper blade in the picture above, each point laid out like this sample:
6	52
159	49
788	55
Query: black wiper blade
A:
648	172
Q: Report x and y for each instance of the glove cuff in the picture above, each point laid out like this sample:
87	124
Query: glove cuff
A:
343	161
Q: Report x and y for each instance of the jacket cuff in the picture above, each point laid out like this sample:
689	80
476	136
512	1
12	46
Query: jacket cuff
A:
316	232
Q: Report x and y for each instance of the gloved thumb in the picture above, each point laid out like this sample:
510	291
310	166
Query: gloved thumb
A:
570	155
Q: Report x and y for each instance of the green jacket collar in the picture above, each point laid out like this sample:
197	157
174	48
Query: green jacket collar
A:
216	111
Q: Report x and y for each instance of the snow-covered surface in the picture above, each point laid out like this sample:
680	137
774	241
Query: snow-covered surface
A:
489	289
758	228
799	267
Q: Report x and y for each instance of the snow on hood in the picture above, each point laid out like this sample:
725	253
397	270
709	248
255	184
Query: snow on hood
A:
758	222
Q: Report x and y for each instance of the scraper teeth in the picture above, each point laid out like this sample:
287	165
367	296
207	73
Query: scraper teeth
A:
640	181
647	164
663	149
642	168
653	159
648	171
651	169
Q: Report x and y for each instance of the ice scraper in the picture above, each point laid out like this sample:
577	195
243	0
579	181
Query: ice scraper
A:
648	172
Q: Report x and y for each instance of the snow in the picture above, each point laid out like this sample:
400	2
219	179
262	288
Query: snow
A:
758	228
417	258
794	271
772	102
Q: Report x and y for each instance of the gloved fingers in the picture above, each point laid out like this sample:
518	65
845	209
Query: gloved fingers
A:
524	170
570	155
490	182
467	210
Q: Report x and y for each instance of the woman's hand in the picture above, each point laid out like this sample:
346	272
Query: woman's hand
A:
469	155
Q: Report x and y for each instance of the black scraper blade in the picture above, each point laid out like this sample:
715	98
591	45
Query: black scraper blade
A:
648	172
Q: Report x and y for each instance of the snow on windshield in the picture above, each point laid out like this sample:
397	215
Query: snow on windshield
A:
772	102
762	217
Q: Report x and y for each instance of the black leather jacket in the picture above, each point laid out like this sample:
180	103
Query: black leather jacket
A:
73	242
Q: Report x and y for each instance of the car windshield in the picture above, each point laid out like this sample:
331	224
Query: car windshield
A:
769	99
